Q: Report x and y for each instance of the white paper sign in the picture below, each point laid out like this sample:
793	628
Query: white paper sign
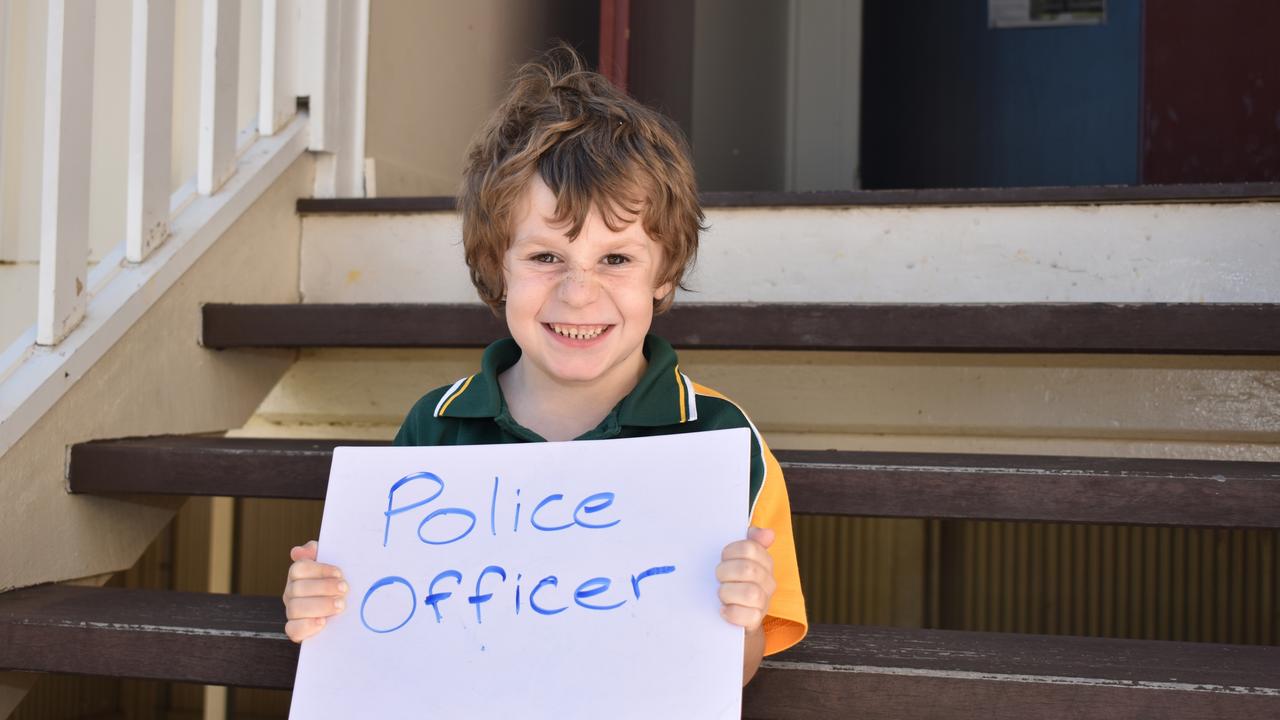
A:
533	580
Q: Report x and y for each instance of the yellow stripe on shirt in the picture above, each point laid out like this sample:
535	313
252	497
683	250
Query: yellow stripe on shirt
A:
455	395
684	411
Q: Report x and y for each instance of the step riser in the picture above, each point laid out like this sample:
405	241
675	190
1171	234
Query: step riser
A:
984	254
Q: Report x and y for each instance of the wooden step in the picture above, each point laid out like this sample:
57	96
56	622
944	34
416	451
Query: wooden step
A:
153	634
1159	328
837	672
992	487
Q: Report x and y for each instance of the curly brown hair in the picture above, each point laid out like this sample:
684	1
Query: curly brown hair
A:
594	147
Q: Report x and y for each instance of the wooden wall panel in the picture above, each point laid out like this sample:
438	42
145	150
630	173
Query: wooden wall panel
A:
1111	581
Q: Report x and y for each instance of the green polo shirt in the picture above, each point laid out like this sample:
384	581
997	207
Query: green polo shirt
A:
472	411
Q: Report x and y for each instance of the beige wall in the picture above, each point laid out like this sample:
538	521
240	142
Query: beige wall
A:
436	70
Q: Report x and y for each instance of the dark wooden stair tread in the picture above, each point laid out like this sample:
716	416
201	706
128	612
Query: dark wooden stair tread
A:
1206	493
837	670
1158	328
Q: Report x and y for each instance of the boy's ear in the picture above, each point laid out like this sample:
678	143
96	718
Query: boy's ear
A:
662	291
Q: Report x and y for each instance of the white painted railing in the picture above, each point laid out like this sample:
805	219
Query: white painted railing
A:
308	47
312	48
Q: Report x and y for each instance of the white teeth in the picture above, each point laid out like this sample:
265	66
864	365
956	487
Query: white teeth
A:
578	332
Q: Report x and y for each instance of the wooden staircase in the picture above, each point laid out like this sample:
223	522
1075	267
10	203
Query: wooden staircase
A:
883	672
839	671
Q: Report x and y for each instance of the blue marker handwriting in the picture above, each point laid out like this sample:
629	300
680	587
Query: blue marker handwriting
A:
447	525
398	597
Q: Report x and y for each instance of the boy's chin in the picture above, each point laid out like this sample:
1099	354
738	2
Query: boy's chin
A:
577	373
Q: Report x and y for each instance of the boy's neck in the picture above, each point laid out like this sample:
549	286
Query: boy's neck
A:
564	411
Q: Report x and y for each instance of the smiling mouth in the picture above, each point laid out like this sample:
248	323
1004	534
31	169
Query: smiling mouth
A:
577	332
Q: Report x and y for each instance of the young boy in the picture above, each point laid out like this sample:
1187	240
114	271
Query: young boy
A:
580	218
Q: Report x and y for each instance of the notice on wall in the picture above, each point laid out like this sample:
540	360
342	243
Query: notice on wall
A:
1045	13
572	579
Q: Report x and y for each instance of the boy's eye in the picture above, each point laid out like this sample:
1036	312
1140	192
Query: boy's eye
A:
615	259
544	258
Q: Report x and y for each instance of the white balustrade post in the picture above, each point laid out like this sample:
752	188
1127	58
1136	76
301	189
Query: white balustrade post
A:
4	56
64	202
276	93
219	74
150	128
326	85
338	121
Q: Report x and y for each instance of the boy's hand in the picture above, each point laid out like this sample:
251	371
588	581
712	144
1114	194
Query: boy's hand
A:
314	591
746	579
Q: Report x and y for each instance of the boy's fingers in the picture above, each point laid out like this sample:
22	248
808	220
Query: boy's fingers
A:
749	618
764	536
749	595
310	569
299	630
304	552
748	550
742	570
313	607
325	587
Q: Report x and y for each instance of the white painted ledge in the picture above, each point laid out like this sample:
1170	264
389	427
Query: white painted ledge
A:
33	378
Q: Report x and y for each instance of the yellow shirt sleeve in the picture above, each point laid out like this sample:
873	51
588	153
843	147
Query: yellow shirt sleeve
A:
786	622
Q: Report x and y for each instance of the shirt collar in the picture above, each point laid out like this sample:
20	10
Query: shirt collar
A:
664	395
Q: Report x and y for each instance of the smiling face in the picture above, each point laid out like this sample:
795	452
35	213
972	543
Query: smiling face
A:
579	310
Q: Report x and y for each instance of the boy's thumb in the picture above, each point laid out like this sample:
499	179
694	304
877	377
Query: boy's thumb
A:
764	536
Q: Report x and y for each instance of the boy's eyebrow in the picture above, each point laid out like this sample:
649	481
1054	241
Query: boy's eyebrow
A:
537	238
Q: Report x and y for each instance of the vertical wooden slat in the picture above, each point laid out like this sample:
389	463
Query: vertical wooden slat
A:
64	202
1039	599
1222	584
1208	586
222	514
219	77
338	97
1178	606
933	566
324	104
1151	573
1237	587
1269	588
1008	577
1107	567
843	528
1252	569
1093	561
982	566
1022	578
150	128
279	55
1193	582
4	73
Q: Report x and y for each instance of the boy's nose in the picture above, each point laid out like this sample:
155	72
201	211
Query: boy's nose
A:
579	286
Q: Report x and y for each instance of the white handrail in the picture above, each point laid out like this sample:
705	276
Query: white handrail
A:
314	47
64	203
